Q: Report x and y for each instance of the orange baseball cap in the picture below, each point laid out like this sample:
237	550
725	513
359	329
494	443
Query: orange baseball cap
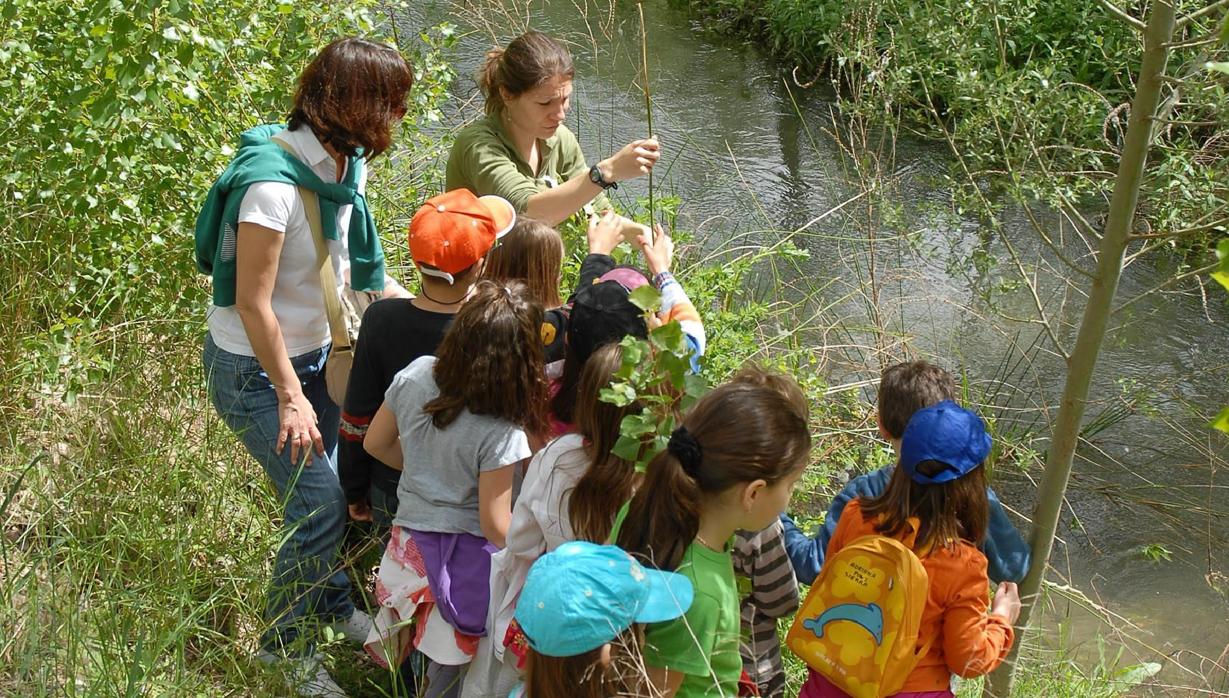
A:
454	230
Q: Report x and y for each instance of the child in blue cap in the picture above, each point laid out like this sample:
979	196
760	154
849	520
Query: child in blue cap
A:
580	611
936	503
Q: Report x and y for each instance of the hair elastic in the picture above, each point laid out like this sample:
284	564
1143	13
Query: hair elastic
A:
686	449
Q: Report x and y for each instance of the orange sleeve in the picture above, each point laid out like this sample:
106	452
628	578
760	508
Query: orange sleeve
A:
974	642
850	517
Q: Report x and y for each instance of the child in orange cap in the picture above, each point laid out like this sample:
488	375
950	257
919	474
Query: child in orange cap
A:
449	239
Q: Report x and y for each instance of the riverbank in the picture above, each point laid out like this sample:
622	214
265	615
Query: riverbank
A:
137	536
1033	94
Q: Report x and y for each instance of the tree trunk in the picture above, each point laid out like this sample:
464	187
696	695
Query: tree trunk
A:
1083	359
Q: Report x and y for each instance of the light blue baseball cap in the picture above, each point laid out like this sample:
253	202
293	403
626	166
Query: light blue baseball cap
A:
947	433
582	595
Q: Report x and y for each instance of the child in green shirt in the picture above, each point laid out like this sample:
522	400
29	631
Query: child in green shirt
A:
731	466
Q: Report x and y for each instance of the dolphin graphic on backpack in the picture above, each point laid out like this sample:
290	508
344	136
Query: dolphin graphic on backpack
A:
859	624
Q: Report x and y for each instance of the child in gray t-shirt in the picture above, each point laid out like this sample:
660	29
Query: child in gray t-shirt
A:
456	425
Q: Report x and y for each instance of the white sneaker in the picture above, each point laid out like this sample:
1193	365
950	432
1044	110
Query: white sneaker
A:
355	628
308	675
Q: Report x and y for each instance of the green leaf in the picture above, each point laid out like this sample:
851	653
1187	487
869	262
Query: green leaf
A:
669	337
634	349
618	394
1137	674
1221	423
646	298
627	448
1218	66
1222	253
637	425
1224	32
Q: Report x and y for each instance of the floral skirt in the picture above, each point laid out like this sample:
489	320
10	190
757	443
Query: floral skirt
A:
407	618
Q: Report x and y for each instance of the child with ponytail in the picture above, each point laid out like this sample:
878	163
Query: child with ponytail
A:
456	426
731	465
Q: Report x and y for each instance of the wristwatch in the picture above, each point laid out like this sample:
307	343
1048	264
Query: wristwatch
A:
595	176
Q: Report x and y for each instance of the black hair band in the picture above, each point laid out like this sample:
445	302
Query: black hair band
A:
686	449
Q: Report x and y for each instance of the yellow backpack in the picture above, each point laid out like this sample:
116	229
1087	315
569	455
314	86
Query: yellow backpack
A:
859	624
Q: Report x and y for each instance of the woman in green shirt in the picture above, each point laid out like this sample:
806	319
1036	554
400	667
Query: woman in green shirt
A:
522	151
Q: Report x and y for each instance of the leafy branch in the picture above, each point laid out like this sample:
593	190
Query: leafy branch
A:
657	373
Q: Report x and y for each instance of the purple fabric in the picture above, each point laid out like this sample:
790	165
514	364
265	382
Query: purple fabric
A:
629	279
458	569
819	687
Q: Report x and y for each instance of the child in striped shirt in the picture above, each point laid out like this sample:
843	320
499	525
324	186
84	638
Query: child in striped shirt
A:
769	591
766	583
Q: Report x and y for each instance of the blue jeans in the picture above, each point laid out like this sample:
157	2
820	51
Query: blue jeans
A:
307	586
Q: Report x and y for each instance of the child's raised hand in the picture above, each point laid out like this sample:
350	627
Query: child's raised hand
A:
1007	602
658	251
605	232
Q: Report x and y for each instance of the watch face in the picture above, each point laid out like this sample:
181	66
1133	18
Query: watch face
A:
595	175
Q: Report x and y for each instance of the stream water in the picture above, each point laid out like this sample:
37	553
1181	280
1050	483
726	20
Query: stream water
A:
751	159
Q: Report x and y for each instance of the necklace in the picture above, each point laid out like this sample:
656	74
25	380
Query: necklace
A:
423	291
707	544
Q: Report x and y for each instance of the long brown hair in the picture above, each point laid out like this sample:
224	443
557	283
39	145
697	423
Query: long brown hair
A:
609	480
529	60
585	676
532	252
490	361
352	95
745	432
946	512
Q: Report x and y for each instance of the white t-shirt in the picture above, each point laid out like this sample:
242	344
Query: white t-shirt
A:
297	300
540	524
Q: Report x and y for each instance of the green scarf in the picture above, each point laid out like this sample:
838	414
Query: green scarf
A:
261	160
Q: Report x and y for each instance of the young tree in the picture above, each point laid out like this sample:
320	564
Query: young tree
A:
1147	111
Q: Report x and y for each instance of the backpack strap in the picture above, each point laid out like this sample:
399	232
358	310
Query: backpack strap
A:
328	280
910	540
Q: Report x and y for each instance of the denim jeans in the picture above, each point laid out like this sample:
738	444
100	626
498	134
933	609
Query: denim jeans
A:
307	587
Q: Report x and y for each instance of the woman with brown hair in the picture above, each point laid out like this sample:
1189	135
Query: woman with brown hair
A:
458	427
268	336
573	487
522	151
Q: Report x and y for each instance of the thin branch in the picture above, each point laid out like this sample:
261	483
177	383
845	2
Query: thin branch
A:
1112	9
1194	230
1053	247
1169	282
1183	21
1011	249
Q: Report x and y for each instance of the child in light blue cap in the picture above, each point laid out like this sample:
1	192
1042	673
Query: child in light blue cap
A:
580	610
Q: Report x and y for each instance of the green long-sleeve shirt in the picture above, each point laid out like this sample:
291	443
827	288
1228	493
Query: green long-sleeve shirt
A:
484	160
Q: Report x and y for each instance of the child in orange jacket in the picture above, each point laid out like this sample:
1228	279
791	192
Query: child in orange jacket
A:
941	484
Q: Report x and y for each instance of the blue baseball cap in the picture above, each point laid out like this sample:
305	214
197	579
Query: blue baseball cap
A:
582	595
947	433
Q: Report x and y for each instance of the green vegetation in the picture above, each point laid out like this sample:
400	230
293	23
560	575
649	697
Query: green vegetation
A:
137	535
1034	93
